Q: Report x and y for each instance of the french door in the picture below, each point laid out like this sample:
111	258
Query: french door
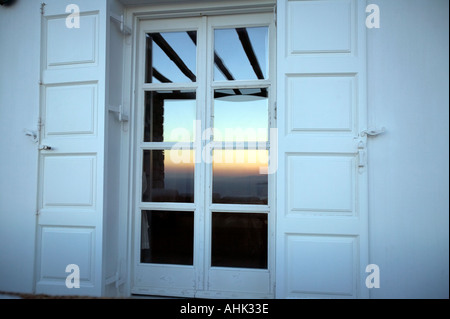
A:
203	205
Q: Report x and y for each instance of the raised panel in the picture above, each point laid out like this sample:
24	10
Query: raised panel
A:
62	246
72	46
70	109
321	266
69	181
321	103
320	27
321	185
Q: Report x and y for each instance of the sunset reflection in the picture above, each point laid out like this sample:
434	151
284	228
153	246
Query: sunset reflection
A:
237	178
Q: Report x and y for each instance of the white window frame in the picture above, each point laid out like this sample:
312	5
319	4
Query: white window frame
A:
129	142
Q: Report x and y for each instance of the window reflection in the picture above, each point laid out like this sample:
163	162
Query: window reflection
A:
239	240
171	57
237	178
163	122
241	115
167	237
241	54
168	176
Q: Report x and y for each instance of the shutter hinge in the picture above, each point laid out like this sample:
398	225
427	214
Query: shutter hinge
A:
39	124
43	4
275	111
124	29
362	155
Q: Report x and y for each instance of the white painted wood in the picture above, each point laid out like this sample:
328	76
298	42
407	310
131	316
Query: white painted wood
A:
69	181
169	280
72	245
321	103
226	282
322	236
77	115
315	178
71	173
320	27
74	46
201	279
322	266
239	281
115	271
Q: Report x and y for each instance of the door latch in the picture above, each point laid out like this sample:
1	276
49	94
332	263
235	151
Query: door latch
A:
45	148
373	132
362	154
362	145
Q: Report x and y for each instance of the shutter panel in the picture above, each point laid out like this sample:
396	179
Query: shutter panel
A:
322	236
71	173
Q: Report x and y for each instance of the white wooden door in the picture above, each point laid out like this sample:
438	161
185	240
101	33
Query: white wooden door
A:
202	226
70	200
322	235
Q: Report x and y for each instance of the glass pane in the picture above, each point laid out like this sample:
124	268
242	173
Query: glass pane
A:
171	57
167	237
168	176
163	122
239	240
241	54
238	178
241	115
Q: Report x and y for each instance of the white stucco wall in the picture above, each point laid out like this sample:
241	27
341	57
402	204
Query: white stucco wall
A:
408	94
19	110
408	166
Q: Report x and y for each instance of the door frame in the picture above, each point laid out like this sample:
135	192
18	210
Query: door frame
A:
129	149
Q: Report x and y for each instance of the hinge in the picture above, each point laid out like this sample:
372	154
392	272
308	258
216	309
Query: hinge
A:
43	4
275	111
39	124
122	117
124	29
362	155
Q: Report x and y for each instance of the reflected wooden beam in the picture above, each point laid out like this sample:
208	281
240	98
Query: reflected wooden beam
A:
217	60
162	43
262	93
175	95
161	78
248	48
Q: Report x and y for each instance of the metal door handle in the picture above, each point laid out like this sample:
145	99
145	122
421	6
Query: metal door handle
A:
45	148
373	132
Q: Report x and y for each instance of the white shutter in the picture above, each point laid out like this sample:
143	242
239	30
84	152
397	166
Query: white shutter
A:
322	236
71	173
